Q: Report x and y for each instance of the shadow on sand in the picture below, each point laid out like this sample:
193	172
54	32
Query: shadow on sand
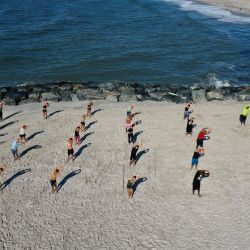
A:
136	135
95	111
8	124
138	182
20	172
29	149
140	154
33	135
16	113
79	151
68	176
89	125
85	136
55	112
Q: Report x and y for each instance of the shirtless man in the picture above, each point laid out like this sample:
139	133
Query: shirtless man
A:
53	176
70	149
2	104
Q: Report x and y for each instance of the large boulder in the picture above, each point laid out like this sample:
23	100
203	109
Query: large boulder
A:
89	94
111	98
198	95
29	100
108	86
51	96
214	95
124	97
243	94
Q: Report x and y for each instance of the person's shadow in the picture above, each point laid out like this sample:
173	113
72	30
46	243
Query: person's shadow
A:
89	125
85	136
3	134
79	151
136	135
55	112
8	124
29	149
16	113
68	176
194	125
137	183
33	135
20	172
140	154
95	111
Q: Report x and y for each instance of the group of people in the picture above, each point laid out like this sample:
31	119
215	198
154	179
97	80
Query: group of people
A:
129	128
199	150
80	128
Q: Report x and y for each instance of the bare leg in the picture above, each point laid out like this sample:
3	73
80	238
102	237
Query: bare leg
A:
199	193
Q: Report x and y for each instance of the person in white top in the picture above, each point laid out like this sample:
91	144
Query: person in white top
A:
22	134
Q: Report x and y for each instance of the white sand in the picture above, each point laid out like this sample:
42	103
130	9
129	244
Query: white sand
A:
234	5
92	211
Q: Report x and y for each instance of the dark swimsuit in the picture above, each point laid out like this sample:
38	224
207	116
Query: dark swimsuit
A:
133	153
83	123
70	151
76	133
44	108
189	128
130	184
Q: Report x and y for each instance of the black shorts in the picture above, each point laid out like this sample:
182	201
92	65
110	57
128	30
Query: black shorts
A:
200	142
22	136
70	151
132	157
83	123
53	183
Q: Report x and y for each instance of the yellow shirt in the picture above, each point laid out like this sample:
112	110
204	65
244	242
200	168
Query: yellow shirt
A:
245	110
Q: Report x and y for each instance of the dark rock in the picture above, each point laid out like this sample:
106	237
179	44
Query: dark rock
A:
51	96
111	98
139	98
198	95
10	101
29	100
214	95
89	94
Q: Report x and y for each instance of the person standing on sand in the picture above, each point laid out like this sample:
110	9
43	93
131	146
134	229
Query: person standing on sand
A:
45	112
187	112
130	184
244	114
53	178
2	104
89	108
197	180
195	159
15	144
82	126
189	128
130	134
130	109
77	135
133	153
70	149
2	168
201	136
22	134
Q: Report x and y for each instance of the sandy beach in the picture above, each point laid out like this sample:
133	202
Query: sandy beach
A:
242	6
92	211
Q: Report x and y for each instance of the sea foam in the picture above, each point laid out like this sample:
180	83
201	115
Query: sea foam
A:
211	11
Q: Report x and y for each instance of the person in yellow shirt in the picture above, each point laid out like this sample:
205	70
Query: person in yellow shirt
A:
53	176
244	113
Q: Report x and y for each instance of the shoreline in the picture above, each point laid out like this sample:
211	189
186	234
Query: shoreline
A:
241	6
115	91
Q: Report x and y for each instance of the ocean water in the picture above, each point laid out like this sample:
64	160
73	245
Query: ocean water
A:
148	41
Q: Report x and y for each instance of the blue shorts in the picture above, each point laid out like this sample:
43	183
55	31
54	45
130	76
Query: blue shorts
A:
194	161
13	151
